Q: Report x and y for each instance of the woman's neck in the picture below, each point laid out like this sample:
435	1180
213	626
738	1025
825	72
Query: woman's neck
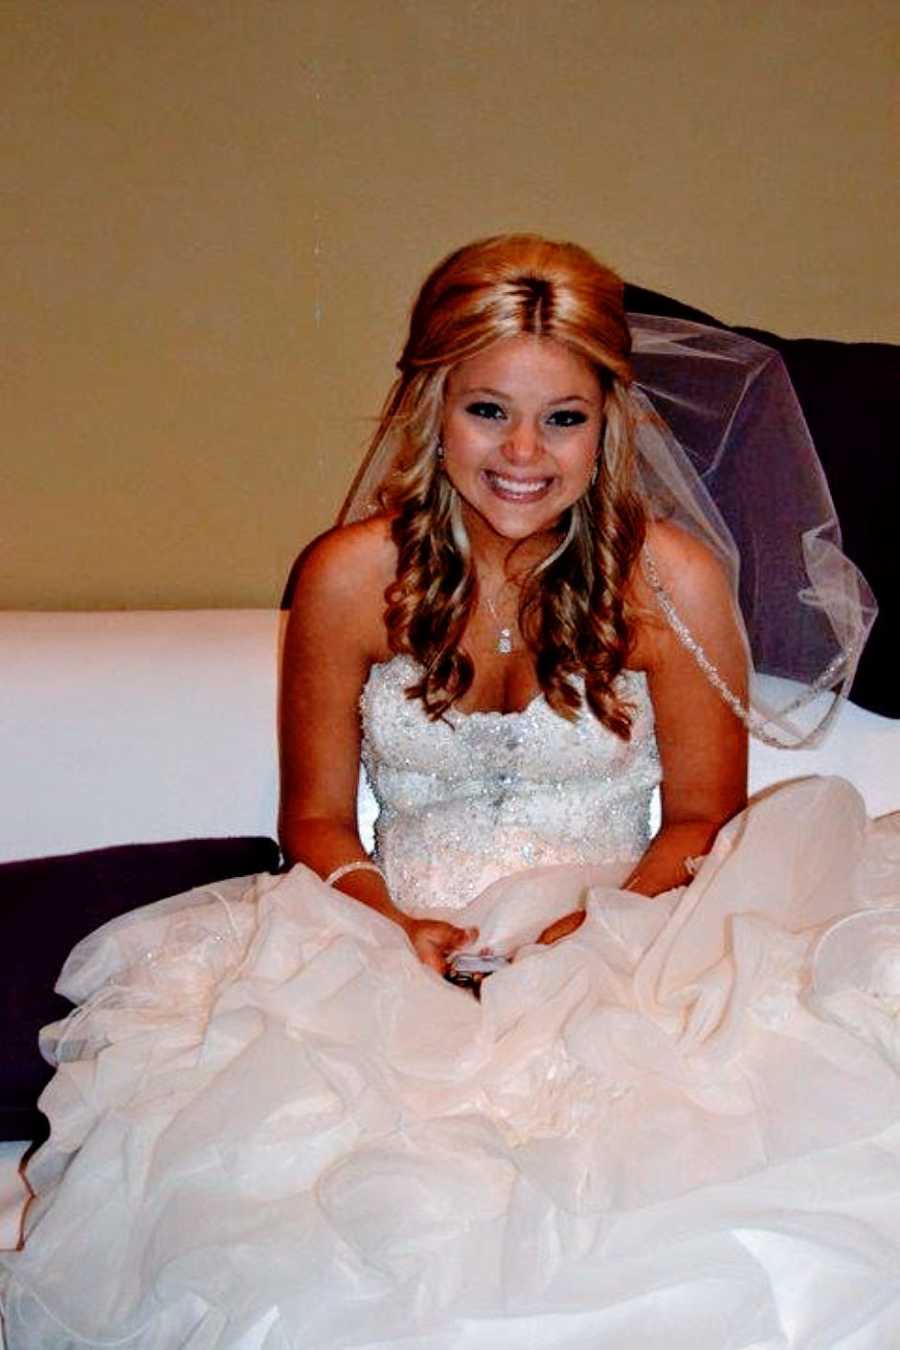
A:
506	559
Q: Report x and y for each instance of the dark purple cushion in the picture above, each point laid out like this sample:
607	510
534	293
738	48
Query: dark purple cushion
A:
49	904
850	396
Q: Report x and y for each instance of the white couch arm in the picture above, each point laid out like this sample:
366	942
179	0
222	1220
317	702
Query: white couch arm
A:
139	726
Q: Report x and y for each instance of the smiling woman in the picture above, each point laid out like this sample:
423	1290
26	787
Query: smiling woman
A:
288	1129
512	497
521	436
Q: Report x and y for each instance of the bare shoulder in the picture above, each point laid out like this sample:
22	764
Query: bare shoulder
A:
696	582
340	579
689	569
348	560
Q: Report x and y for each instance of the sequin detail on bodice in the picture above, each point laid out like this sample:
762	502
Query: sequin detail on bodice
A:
477	796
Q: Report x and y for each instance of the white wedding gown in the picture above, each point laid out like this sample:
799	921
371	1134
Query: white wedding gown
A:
272	1128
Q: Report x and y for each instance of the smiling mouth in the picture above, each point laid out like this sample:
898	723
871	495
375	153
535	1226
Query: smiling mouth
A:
517	489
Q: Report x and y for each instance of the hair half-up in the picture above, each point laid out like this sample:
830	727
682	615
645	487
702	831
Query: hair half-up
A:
573	609
428	605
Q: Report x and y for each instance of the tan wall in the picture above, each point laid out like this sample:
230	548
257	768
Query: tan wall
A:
220	210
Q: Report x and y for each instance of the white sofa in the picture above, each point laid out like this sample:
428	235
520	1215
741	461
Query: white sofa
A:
143	726
140	727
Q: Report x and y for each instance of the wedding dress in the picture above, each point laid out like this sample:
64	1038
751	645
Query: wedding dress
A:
273	1128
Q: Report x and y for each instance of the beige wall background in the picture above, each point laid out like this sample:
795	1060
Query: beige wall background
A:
216	212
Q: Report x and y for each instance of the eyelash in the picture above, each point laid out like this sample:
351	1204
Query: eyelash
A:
492	412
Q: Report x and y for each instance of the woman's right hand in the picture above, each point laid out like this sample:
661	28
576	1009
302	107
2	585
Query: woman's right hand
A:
434	941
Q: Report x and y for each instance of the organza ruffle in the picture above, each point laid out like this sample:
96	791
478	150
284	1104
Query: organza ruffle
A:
272	1127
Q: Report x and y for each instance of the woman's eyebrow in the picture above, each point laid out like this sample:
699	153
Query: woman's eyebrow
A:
484	389
498	393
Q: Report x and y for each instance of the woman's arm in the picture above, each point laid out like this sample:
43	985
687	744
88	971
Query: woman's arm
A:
335	632
702	743
330	643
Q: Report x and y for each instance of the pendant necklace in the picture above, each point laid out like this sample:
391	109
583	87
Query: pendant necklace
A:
504	633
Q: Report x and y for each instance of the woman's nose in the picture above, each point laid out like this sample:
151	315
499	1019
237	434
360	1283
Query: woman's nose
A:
523	444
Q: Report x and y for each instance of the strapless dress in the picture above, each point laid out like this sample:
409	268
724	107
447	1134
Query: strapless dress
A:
273	1128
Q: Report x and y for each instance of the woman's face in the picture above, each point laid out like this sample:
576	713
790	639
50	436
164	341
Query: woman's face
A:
521	431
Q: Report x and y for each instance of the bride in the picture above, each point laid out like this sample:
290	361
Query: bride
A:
670	1116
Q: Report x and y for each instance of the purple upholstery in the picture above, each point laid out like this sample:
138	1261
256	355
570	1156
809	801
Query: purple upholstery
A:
49	904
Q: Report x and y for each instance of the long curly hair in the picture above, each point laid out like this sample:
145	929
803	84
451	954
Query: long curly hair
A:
573	612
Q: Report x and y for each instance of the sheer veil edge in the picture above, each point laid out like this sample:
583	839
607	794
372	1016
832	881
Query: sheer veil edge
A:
724	452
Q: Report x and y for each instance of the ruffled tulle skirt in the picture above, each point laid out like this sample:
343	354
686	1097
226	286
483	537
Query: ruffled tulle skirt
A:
273	1128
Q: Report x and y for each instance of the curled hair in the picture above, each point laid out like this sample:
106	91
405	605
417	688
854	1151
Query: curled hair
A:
573	612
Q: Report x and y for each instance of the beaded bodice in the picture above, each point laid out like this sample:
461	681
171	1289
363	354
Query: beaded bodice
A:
477	796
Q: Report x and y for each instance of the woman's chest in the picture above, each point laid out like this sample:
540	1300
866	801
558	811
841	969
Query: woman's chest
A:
530	744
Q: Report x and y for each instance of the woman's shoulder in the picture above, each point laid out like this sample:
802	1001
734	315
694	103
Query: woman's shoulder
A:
338	585
687	569
347	562
678	576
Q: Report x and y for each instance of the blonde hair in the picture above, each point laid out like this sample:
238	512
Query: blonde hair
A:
573	612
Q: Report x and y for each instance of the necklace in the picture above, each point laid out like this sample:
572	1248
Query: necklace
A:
504	632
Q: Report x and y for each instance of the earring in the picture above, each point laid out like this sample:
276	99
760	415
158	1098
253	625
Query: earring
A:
439	451
595	470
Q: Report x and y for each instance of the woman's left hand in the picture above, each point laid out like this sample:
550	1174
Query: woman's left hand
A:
434	941
561	928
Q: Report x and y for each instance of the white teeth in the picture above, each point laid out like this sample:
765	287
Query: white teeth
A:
529	489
